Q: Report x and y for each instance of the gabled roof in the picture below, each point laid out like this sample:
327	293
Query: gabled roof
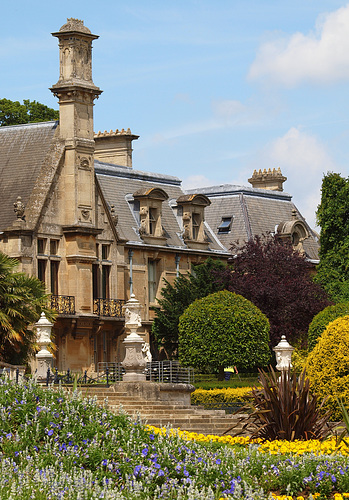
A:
119	184
23	149
253	211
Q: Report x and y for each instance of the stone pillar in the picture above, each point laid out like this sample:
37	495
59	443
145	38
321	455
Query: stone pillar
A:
134	361
44	359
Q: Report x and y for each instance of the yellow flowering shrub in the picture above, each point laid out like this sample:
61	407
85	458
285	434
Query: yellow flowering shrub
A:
327	365
212	398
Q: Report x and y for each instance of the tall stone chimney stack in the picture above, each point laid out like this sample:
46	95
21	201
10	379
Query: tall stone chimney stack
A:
268	179
76	92
76	187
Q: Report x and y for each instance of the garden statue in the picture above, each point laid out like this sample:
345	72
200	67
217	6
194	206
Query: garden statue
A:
146	352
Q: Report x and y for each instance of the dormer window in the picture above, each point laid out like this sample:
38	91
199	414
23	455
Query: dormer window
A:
225	225
294	230
150	211
193	218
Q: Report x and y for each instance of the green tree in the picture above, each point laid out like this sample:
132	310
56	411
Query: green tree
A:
224	329
333	218
176	297
22	299
15	113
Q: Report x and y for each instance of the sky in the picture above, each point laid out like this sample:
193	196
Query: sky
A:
214	89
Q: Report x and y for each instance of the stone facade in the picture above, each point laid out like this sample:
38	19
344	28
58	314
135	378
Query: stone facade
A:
87	224
75	213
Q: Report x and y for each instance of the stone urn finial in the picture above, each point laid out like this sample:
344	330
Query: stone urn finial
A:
283	353
44	358
134	361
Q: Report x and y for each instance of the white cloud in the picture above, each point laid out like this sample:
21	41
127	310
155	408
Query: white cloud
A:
224	114
228	109
304	160
321	56
300	151
196	181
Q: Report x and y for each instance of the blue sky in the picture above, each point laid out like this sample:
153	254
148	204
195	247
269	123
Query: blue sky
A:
215	89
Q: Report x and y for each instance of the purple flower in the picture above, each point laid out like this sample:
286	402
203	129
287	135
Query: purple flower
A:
137	470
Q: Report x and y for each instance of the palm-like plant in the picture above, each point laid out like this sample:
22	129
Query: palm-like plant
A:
284	408
22	299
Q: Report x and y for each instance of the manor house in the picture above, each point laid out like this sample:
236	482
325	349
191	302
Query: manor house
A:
76	214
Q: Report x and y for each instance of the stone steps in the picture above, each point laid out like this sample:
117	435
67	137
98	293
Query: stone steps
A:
163	413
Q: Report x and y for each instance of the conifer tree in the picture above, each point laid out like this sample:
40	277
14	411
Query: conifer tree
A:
176	297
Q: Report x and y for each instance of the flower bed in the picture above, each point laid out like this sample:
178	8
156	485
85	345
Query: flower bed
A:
55	448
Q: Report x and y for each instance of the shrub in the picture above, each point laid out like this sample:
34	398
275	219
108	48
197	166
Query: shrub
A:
299	359
223	329
284	408
328	365
322	319
216	398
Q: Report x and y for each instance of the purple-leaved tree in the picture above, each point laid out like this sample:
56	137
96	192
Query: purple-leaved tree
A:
278	280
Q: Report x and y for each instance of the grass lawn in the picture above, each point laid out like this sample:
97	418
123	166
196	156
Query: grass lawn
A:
211	381
58	448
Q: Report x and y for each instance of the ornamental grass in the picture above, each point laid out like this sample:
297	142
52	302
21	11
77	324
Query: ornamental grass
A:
284	408
55	447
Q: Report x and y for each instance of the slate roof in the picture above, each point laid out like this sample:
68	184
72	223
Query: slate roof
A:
23	149
119	183
254	211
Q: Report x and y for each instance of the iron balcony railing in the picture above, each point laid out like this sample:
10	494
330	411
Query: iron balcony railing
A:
111	372
63	304
108	307
114	369
169	371
156	371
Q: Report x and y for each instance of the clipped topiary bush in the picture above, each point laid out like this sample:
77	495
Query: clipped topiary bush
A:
224	329
322	319
328	365
215	397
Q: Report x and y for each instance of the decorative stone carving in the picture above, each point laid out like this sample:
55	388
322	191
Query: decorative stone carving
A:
146	352
19	208
143	227
114	216
134	362
84	162
85	214
73	24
